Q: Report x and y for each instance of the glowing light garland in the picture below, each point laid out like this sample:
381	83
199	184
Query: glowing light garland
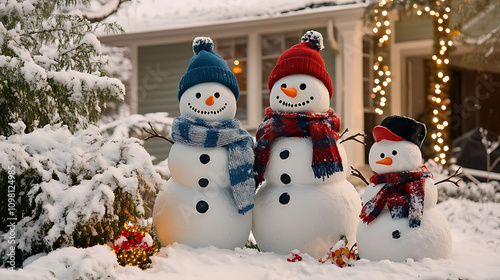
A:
381	70
439	10
439	86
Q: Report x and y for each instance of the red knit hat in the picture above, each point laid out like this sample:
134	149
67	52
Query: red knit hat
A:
303	58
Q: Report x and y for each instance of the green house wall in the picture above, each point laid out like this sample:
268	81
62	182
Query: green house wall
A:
414	28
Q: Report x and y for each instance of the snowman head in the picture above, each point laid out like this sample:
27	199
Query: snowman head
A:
299	93
394	156
298	73
208	90
208	101
397	148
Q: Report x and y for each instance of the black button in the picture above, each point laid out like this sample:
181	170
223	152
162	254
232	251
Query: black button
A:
285	179
202	206
284	198
203	182
204	158
284	154
396	234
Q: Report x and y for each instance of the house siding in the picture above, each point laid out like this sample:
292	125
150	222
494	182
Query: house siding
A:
414	28
160	70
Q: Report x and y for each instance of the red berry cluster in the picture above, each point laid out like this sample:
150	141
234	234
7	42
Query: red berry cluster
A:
295	256
132	240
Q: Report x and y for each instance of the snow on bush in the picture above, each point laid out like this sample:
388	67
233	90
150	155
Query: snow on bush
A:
52	66
71	189
134	125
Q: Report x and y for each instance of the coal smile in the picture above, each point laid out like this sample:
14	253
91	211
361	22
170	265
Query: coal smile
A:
290	105
212	112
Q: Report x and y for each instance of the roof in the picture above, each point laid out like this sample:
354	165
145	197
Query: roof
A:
153	15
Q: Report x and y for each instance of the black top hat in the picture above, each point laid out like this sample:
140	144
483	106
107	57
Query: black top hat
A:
398	128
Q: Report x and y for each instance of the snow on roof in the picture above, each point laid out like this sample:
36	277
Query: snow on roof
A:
148	15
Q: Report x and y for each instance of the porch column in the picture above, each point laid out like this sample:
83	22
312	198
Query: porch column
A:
350	89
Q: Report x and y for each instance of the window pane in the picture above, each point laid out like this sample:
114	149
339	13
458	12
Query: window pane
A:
366	67
239	69
271	45
267	67
241	105
265	100
240	49
291	39
225	51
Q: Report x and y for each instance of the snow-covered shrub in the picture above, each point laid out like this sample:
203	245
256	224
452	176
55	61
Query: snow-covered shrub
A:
134	125
481	192
70	189
51	66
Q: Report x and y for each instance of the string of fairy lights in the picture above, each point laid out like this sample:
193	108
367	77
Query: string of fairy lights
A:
439	10
382	75
440	78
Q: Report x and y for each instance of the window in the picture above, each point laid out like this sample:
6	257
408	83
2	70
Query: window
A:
273	45
234	51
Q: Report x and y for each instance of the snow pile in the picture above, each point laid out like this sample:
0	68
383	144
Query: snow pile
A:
475	228
72	190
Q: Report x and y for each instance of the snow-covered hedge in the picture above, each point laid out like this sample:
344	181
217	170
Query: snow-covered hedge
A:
481	192
70	189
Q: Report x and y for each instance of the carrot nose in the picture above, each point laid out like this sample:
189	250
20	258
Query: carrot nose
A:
290	92
385	161
210	101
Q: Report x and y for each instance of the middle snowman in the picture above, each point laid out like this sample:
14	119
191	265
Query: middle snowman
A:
305	201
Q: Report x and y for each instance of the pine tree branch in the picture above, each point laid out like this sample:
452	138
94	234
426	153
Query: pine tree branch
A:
105	16
154	134
456	174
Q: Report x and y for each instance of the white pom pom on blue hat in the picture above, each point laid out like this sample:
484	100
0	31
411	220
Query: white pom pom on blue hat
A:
202	44
314	38
207	66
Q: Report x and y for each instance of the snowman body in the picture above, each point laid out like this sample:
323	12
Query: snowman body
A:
393	238
197	207
293	208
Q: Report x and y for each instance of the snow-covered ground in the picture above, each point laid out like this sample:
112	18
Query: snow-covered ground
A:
476	255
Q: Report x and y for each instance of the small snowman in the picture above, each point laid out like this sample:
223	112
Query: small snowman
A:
305	202
207	200
399	219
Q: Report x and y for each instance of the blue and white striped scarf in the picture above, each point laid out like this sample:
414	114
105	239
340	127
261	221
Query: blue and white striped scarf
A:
196	132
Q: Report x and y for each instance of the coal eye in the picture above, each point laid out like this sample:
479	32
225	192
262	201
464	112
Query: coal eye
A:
394	152
382	155
283	85
216	95
198	95
303	86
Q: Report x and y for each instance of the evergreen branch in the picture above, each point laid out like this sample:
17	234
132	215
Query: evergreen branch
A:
356	173
155	134
456	174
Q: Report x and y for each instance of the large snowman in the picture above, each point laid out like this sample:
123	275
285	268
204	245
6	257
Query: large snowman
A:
207	200
305	202
399	219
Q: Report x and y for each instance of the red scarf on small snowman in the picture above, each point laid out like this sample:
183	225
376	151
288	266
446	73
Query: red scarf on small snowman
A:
403	193
322	128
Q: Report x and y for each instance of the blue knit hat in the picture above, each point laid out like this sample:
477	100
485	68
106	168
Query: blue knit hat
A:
206	66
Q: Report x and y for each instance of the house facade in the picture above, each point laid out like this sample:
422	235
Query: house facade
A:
252	45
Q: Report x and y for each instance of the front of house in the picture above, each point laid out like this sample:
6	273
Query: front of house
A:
251	45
